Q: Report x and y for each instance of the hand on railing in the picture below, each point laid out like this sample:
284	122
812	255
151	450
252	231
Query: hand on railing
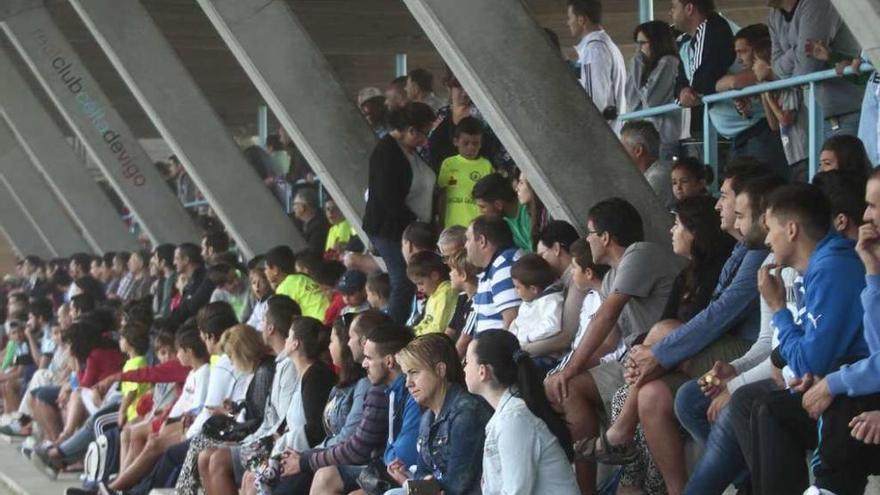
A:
689	98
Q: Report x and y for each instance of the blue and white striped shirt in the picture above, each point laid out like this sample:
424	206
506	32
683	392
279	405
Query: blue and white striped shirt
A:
495	291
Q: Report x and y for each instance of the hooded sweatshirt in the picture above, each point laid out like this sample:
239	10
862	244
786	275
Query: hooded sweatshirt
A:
829	326
863	377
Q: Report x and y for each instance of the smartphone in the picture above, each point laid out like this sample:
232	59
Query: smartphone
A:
422	487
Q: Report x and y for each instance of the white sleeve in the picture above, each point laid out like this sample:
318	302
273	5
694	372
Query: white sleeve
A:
547	318
763	371
599	71
519	449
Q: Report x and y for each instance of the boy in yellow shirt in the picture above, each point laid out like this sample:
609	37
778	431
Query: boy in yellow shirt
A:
431	276
134	340
459	173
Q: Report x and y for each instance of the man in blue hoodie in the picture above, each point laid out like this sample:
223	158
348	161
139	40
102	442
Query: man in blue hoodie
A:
845	456
828	330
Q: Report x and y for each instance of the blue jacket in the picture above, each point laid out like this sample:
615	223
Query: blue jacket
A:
830	326
863	377
406	413
451	444
733	309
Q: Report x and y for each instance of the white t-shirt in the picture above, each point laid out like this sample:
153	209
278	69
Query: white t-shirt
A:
194	390
224	382
538	319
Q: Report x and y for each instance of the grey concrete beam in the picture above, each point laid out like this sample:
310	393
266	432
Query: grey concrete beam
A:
184	117
862	18
47	146
19	229
29	188
504	60
103	132
300	87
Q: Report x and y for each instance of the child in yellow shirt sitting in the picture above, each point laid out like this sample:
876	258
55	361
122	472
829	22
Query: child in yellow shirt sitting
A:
431	276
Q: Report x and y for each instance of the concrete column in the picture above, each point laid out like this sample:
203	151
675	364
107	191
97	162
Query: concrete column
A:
299	85
862	18
46	144
518	80
29	188
184	117
18	228
98	125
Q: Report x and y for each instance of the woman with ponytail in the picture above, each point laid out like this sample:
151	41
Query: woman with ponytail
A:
528	447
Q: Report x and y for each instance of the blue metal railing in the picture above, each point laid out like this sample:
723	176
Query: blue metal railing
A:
710	136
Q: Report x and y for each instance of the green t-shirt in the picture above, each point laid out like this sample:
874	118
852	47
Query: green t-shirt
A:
457	177
306	293
521	225
11	350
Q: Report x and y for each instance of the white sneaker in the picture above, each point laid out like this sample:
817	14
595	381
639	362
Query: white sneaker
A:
815	490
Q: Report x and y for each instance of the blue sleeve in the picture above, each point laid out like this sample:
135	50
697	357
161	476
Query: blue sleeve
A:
863	377
356	413
464	465
831	323
404	445
732	306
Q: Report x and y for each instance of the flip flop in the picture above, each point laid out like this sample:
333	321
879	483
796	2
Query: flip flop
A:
616	455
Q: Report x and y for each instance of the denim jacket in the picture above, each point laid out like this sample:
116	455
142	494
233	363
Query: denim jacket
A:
450	445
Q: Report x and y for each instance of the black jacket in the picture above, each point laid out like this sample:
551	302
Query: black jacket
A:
387	214
196	294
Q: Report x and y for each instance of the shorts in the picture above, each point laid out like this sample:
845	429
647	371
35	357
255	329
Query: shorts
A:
48	394
608	377
349	475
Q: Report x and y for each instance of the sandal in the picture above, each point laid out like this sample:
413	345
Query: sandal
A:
590	450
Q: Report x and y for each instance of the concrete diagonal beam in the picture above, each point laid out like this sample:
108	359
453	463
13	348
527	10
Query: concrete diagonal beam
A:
29	189
300	87
521	85
862	18
153	72
47	146
17	226
92	117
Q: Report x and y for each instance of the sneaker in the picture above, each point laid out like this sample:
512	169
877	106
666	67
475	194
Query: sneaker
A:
45	464
15	429
27	447
103	489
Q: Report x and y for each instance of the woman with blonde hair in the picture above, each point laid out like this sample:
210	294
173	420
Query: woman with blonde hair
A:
452	428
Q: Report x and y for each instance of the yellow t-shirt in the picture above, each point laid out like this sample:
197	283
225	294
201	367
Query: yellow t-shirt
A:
457	177
438	310
306	293
139	389
340	233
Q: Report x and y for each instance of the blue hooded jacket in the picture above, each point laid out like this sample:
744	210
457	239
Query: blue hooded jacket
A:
830	325
863	377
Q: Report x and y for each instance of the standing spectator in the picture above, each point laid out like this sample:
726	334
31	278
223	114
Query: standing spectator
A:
490	247
401	189
375	112
651	82
420	88
459	173
708	54
793	23
603	70
307	210
642	141
395	94
135	285
280	156
536	213
495	198
869	121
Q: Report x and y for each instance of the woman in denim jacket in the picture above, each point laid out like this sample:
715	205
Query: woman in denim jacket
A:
452	429
528	447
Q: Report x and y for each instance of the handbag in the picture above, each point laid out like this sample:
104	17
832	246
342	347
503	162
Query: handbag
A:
374	479
224	428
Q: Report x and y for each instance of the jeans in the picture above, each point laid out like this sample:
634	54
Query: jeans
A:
402	290
741	404
165	472
722	462
761	143
847	124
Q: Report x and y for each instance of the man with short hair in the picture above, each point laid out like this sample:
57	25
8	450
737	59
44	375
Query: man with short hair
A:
281	272
214	242
395	94
636	291
163	258
307	210
496	198
420	88
489	246
603	70
80	266
197	292
642	141
795	23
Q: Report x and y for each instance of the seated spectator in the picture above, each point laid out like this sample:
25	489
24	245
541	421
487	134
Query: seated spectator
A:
418	237
690	178
401	188
527	446
16	374
637	292
844	192
420	88
308	262
451	239
651	82
102	269
261	290
378	290
430	275
39	332
537	213
495	198
230	287
163	259
490	247
540	314
458	175
847	153
340	232
135	284
79	267
280	270
603	70
828	331
452	429
462	279
188	263
642	141
134	342
352	286
307	211
214	242
328	276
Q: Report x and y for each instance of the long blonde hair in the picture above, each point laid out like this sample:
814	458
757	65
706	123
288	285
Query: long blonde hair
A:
244	344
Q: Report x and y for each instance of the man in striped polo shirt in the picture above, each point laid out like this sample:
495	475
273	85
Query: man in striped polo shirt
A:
489	245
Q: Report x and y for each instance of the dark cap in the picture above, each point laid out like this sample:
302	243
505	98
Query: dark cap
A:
352	281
